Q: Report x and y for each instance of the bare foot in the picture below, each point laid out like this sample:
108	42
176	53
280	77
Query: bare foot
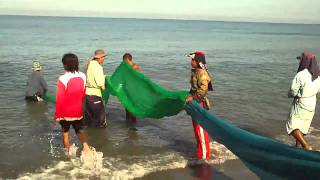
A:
87	159
66	151
87	155
308	147
87	151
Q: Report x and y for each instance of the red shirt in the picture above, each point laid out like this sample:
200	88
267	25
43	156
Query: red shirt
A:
70	96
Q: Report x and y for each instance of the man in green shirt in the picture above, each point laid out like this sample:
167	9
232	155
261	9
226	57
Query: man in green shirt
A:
95	111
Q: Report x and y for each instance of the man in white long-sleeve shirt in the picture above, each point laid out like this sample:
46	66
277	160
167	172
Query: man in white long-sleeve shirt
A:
95	110
304	89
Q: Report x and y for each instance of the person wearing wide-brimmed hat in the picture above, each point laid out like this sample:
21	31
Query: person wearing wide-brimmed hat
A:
200	85
95	111
304	88
36	85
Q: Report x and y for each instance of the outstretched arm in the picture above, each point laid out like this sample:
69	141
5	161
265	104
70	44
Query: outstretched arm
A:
136	67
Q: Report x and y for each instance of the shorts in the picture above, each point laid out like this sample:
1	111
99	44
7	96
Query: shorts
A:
76	124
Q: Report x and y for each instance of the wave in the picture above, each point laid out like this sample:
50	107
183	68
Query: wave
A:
122	167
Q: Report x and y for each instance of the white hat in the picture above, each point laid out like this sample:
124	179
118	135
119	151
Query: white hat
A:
36	66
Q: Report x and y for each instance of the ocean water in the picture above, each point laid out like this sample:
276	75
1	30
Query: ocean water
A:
252	64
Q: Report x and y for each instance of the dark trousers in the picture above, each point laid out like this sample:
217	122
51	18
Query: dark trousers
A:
95	112
130	117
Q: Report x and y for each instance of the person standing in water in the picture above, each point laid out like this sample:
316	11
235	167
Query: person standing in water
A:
127	57
95	110
200	85
304	87
36	85
69	99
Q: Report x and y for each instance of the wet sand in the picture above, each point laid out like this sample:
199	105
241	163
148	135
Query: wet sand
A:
232	169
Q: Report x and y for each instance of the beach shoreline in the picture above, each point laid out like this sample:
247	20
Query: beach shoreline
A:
231	169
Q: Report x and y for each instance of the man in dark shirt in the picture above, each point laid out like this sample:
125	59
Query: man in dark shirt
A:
36	85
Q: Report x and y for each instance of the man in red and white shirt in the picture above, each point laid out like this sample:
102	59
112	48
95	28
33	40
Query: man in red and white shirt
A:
69	99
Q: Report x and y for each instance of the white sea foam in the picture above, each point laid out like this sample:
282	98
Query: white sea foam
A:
120	167
220	153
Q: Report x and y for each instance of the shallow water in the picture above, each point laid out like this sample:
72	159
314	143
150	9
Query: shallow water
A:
252	63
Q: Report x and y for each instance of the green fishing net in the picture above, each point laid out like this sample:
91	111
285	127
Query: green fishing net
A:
141	96
49	97
267	158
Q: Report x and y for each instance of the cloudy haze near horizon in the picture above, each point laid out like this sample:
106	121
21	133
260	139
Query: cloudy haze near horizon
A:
307	11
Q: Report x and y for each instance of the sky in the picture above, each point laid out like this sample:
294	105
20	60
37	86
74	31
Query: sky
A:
289	11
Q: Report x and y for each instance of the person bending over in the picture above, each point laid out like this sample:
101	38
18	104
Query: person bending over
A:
36	85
